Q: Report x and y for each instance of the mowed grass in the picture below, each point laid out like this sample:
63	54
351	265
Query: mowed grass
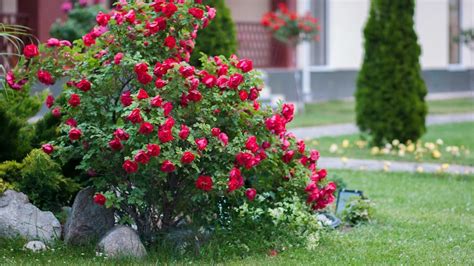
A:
455	134
419	219
337	112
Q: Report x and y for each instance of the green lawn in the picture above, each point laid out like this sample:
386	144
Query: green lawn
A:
456	134
419	219
334	112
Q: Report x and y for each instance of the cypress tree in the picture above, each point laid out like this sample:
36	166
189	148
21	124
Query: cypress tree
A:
219	38
390	89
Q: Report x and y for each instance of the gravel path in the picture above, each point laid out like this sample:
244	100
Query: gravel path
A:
392	166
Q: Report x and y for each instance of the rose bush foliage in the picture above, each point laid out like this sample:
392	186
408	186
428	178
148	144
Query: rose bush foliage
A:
163	141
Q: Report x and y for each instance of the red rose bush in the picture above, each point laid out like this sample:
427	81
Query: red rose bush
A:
162	141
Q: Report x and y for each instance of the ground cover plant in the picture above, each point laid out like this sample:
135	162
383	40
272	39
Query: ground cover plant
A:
429	224
166	143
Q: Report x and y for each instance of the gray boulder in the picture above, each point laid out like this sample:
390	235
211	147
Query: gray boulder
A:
35	246
18	217
87	221
122	241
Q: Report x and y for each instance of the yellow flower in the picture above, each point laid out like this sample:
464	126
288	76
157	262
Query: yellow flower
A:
420	169
411	147
436	154
375	150
345	143
395	142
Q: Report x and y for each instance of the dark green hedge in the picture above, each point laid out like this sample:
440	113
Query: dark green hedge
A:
390	89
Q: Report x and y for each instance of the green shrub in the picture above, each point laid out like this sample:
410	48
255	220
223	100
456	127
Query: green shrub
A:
10	171
357	211
46	129
4	185
79	22
43	182
390	89
219	38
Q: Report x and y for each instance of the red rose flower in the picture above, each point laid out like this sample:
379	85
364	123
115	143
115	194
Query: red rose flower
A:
222	70
215	131
115	144
288	156
243	95
301	146
121	134
56	112
130	166
186	71
250	193
71	122
253	94
201	143
135	117
195	96
88	39
142	157
235	80
235	183
49	101
288	111
47	148
204	183
196	12
74	100
184	132
99	199
30	51
159	83
156	101
251	144
102	19
145	128
153	150
52	42
130	16
75	134
84	85
170	42
245	65
168	167
118	58
45	77
126	98
209	80
167	108
142	94
165	135
188	157
168	9
224	138
314	155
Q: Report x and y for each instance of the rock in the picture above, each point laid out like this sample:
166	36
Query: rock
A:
87	221
35	246
187	238
122	241
18	217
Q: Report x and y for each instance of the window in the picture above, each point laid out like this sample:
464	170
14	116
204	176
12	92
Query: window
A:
454	31
318	49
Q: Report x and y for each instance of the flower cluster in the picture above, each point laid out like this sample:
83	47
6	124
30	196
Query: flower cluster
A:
287	26
162	138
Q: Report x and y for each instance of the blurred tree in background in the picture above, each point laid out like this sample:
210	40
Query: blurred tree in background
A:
390	89
80	20
219	38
